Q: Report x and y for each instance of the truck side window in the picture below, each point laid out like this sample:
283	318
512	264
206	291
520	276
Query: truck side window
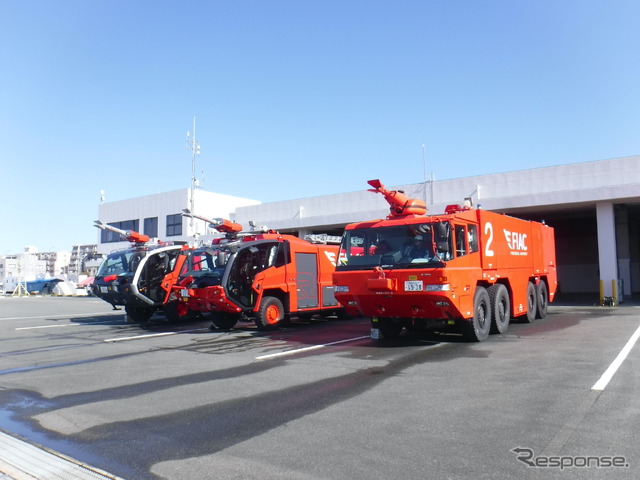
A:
443	240
461	243
473	238
283	254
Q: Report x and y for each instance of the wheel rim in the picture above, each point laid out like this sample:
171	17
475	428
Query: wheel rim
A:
532	299
502	309
482	315
272	314
182	309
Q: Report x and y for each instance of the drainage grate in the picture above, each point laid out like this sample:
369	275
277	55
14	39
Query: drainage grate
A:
24	460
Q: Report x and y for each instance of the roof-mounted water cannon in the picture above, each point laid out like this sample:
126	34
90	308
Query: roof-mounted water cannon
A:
130	235
231	229
400	204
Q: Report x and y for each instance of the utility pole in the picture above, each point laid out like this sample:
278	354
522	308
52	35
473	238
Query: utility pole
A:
194	145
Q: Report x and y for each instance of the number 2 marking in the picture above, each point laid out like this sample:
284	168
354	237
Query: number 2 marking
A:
488	230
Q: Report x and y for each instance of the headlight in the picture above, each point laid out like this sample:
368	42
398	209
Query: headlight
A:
445	287
342	289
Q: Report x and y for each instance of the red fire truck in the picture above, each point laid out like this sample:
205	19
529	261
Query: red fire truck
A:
467	270
261	276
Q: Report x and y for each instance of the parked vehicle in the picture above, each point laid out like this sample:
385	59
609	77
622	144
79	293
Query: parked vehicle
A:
139	277
466	270
265	277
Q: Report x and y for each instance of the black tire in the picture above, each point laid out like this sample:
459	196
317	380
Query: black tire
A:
389	328
139	314
270	313
171	312
500	308
542	297
531	303
224	320
477	328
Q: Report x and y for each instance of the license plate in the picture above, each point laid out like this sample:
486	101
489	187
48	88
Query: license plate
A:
375	333
184	292
413	286
104	289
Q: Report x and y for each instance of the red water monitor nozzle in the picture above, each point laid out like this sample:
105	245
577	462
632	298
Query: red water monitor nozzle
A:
400	204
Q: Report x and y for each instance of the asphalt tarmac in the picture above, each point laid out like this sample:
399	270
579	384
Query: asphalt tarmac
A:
319	399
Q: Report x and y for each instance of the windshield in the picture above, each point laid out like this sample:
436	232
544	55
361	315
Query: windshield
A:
206	263
402	246
119	263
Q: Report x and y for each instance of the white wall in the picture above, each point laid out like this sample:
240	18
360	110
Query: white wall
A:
562	185
208	204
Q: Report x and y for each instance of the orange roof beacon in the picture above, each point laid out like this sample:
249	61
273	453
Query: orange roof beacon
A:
467	270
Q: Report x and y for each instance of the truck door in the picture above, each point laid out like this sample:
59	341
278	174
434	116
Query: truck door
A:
465	269
150	272
307	280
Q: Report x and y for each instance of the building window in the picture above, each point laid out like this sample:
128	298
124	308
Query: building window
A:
151	227
107	236
174	225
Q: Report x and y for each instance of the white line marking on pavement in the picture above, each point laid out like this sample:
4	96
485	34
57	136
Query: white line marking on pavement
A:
88	324
610	372
151	335
43	326
306	349
74	315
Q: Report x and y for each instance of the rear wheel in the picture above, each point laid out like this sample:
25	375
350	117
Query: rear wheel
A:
270	313
543	299
500	308
531	303
477	328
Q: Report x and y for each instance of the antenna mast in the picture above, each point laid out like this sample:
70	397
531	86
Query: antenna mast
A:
424	164
194	145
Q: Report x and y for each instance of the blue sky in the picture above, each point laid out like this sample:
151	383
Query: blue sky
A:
297	98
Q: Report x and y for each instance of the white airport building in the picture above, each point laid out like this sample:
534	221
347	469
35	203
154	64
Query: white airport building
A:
593	206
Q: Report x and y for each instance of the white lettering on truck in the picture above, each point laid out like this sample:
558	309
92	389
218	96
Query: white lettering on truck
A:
331	257
488	230
516	242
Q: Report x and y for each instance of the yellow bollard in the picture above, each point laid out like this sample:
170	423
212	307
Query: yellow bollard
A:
601	293
614	291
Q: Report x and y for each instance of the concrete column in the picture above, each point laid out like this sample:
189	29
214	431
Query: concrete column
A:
624	249
607	255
